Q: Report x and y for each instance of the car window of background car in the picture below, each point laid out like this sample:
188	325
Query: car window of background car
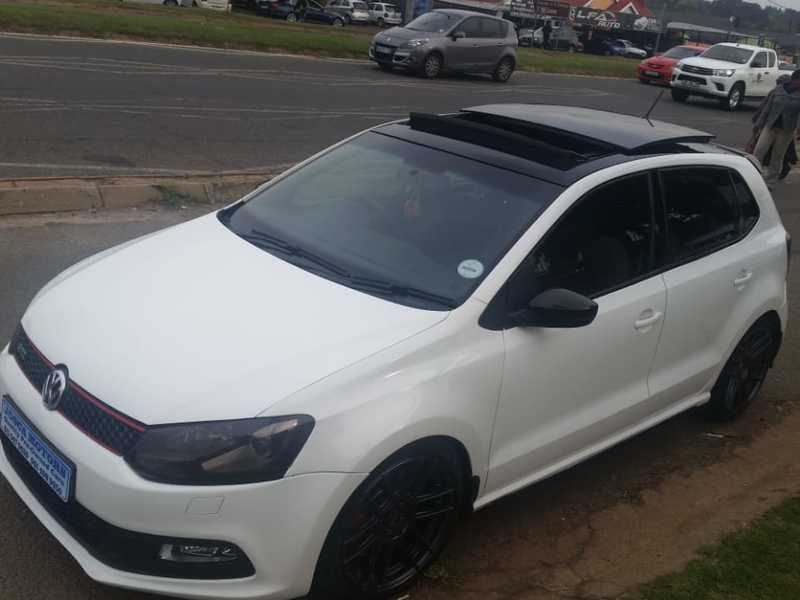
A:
492	28
360	5
602	243
701	207
433	22
392	210
728	54
772	60
760	61
471	27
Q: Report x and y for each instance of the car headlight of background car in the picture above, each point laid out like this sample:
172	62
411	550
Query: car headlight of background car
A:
417	43
221	452
724	72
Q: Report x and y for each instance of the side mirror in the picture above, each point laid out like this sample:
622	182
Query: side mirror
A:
458	35
557	308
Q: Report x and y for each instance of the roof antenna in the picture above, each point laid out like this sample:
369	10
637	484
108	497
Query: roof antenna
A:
647	114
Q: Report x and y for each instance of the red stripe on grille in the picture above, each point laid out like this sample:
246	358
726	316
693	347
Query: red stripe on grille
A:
107	409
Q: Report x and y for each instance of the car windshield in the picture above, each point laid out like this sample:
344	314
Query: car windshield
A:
434	22
360	5
408	223
732	54
680	52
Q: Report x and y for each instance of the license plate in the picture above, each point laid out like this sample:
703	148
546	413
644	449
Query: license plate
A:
652	73
383	50
56	472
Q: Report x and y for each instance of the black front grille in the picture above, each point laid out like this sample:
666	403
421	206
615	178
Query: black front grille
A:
106	426
697	70
699	80
119	548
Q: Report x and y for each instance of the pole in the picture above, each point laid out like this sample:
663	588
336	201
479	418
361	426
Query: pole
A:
662	24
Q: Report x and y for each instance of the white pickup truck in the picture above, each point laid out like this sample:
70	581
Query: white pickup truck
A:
729	72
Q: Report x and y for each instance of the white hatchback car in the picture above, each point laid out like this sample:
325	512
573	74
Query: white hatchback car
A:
303	391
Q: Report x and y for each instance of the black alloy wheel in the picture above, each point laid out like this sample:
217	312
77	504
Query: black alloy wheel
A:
432	66
393	527
744	373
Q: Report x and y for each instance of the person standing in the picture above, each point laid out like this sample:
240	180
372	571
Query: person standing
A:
777	120
547	30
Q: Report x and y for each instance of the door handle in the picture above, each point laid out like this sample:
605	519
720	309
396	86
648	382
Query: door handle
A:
647	319
742	278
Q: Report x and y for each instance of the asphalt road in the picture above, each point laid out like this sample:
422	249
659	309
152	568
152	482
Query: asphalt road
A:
76	107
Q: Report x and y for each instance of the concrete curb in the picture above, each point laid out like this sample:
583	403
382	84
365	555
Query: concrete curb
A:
60	194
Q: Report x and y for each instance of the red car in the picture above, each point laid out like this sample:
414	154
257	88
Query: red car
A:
658	69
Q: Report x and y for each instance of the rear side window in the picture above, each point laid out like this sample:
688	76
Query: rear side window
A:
492	28
471	27
748	207
772	60
702	211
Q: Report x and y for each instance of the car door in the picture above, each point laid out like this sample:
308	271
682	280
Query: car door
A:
760	83
773	72
568	390
315	13
462	52
711	277
492	42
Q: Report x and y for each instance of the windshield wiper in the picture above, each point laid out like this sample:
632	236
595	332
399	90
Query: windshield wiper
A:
273	242
387	288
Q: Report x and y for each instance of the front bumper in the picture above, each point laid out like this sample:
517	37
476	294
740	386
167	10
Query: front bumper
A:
280	526
410	58
658	76
702	85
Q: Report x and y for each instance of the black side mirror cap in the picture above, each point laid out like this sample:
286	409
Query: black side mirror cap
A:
556	308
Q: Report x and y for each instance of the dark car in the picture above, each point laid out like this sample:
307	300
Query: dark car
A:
605	46
293	10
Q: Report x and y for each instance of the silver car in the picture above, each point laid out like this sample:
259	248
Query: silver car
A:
352	11
452	40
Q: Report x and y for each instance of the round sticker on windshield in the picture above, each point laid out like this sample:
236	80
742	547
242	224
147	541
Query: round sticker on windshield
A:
470	268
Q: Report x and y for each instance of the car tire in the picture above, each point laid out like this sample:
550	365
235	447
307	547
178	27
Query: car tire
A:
337	23
742	377
734	99
291	18
679	95
504	69
432	65
401	514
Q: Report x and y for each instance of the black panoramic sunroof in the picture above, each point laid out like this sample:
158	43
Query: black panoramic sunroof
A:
511	137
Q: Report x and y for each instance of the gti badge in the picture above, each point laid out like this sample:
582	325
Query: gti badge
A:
54	387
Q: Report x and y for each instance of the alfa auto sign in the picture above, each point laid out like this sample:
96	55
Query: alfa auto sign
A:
607	20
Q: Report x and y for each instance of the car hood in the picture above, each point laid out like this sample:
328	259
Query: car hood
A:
711	63
195	324
397	36
659	63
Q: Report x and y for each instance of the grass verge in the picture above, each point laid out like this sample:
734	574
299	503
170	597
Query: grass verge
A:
761	562
114	19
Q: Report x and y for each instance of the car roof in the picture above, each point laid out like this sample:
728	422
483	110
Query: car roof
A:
463	13
744	46
558	144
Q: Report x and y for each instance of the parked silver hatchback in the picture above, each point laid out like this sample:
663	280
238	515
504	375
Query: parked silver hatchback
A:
452	40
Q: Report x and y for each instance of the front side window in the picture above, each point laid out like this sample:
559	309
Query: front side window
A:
702	213
760	61
601	244
728	54
412	224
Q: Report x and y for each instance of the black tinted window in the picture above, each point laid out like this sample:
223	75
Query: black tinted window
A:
760	61
748	207
416	225
701	208
601	244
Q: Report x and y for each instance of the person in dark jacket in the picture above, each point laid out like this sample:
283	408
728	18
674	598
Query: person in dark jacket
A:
547	30
777	120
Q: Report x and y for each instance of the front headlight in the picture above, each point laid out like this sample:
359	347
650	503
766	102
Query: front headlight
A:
419	42
724	72
221	452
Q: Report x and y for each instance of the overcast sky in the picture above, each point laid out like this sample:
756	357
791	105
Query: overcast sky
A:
795	4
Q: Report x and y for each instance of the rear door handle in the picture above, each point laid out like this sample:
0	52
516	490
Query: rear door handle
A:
742	278
647	319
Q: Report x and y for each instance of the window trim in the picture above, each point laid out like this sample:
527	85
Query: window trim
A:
741	234
495	315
